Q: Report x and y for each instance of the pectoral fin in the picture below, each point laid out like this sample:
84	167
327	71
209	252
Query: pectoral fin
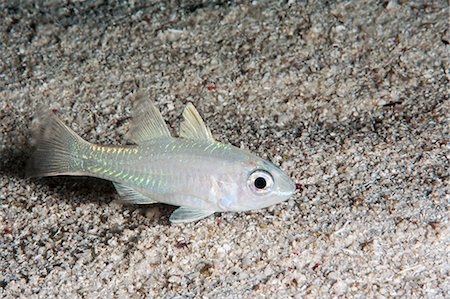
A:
185	214
132	196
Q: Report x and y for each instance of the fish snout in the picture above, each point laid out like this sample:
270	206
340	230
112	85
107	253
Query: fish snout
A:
286	187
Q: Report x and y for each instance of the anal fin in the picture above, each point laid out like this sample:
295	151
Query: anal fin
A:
185	214
132	196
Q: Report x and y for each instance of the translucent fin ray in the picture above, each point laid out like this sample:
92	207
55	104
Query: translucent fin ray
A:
57	147
193	126
185	214
132	196
147	122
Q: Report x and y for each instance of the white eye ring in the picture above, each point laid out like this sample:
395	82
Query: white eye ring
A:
260	181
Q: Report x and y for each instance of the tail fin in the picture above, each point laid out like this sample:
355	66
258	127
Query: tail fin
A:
57	148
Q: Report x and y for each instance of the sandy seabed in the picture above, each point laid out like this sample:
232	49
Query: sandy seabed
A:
351	99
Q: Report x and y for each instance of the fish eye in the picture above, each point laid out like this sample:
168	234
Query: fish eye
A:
260	181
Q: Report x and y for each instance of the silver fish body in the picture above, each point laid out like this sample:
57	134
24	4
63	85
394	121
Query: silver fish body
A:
195	172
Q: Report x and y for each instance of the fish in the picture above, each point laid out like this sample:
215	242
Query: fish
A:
193	171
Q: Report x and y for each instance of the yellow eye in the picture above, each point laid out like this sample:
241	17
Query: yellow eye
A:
260	181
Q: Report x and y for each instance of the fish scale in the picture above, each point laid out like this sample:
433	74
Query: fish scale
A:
130	168
194	172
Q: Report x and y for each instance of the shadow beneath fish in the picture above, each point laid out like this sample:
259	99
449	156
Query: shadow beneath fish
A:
13	163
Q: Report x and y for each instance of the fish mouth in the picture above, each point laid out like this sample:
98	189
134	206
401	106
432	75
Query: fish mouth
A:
287	194
287	188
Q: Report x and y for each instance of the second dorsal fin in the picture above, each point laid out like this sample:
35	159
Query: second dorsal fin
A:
147	122
193	126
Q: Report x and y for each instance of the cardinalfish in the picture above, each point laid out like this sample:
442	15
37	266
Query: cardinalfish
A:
195	172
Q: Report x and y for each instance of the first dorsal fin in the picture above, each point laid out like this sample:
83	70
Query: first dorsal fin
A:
193	126
147	122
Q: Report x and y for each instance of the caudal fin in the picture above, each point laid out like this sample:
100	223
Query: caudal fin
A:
57	148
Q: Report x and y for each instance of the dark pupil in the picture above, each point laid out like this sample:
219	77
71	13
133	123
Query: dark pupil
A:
260	183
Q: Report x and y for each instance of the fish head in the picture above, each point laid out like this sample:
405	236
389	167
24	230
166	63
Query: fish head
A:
256	184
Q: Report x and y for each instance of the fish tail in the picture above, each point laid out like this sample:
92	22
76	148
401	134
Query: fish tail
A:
57	148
